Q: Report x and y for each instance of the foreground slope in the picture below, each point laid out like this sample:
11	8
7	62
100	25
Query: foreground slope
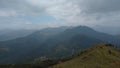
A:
100	56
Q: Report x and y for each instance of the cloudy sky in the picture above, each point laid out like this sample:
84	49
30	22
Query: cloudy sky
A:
36	14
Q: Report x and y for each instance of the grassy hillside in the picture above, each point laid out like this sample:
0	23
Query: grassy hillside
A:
100	56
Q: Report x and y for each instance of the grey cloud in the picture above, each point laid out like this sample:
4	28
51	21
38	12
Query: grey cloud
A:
100	12
85	12
21	7
99	6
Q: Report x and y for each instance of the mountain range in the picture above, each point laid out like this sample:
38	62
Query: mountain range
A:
53	43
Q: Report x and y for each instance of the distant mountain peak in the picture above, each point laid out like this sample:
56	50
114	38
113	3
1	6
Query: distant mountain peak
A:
84	28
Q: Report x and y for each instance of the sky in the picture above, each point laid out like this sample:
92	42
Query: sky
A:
37	14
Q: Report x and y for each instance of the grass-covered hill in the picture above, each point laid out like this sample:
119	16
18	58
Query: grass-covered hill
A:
100	56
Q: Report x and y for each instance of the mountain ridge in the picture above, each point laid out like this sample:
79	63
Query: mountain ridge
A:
60	42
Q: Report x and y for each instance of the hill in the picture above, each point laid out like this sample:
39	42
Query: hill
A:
100	56
19	47
53	43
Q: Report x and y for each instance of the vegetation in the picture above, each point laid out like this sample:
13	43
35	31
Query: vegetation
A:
53	43
100	56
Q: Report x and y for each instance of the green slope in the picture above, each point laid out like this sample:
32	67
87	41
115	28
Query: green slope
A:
100	56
